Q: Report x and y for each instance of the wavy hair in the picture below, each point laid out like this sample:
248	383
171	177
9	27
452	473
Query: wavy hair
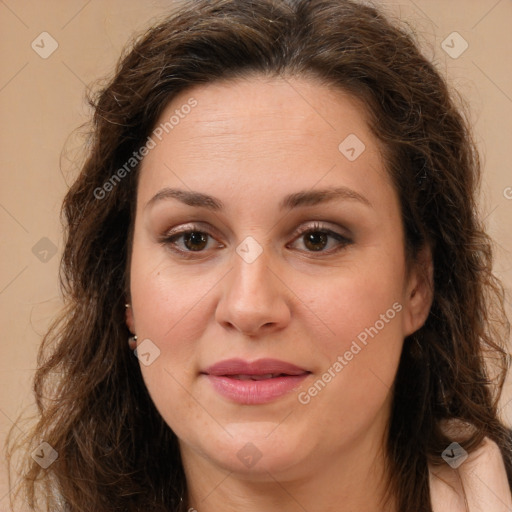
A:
115	452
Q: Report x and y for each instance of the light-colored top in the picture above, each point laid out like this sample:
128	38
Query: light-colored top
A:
479	484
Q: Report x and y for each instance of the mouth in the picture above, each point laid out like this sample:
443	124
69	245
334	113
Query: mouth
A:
259	377
257	382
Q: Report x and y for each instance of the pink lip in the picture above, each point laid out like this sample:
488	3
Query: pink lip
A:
226	376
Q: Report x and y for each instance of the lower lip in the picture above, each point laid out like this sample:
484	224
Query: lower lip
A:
253	392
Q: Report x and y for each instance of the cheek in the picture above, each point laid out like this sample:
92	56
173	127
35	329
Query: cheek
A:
170	310
165	306
360	299
361	342
162	293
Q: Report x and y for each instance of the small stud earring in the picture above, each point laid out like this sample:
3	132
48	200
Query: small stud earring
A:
132	342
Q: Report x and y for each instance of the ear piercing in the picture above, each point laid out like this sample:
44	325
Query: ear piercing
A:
132	340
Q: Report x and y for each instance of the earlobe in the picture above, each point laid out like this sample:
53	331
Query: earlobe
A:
419	293
129	318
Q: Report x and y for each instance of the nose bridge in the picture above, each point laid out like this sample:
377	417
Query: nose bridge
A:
252	269
252	296
251	278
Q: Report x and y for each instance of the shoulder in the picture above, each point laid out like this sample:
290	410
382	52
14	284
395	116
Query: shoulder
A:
478	484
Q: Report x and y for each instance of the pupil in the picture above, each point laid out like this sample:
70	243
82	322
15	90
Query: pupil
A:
195	241
315	239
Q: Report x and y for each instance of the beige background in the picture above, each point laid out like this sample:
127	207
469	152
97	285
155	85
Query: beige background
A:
42	103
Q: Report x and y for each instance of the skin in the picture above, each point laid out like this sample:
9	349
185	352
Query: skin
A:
249	143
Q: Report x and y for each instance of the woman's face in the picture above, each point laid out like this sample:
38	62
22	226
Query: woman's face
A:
269	289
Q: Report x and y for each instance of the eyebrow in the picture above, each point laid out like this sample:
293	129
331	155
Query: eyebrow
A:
289	202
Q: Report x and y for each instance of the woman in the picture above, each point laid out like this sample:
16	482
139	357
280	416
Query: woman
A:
277	217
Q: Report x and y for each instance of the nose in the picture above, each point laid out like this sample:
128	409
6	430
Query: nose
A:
254	299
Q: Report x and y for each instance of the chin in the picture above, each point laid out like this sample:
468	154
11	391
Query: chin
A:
259	448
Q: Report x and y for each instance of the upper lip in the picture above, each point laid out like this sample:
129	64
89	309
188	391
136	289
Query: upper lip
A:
258	367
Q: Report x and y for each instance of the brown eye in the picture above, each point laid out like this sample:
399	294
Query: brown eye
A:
195	240
321	240
315	240
188	241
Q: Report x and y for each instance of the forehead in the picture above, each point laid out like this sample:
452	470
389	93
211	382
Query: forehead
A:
303	107
263	134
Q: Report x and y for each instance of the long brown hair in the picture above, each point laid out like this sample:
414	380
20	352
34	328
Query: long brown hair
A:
115	452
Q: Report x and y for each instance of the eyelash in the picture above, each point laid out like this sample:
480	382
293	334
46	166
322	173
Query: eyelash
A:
169	240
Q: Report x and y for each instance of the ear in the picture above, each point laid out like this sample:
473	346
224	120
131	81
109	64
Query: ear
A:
419	292
129	318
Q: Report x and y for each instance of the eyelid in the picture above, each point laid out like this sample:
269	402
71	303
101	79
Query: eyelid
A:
184	228
319	226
